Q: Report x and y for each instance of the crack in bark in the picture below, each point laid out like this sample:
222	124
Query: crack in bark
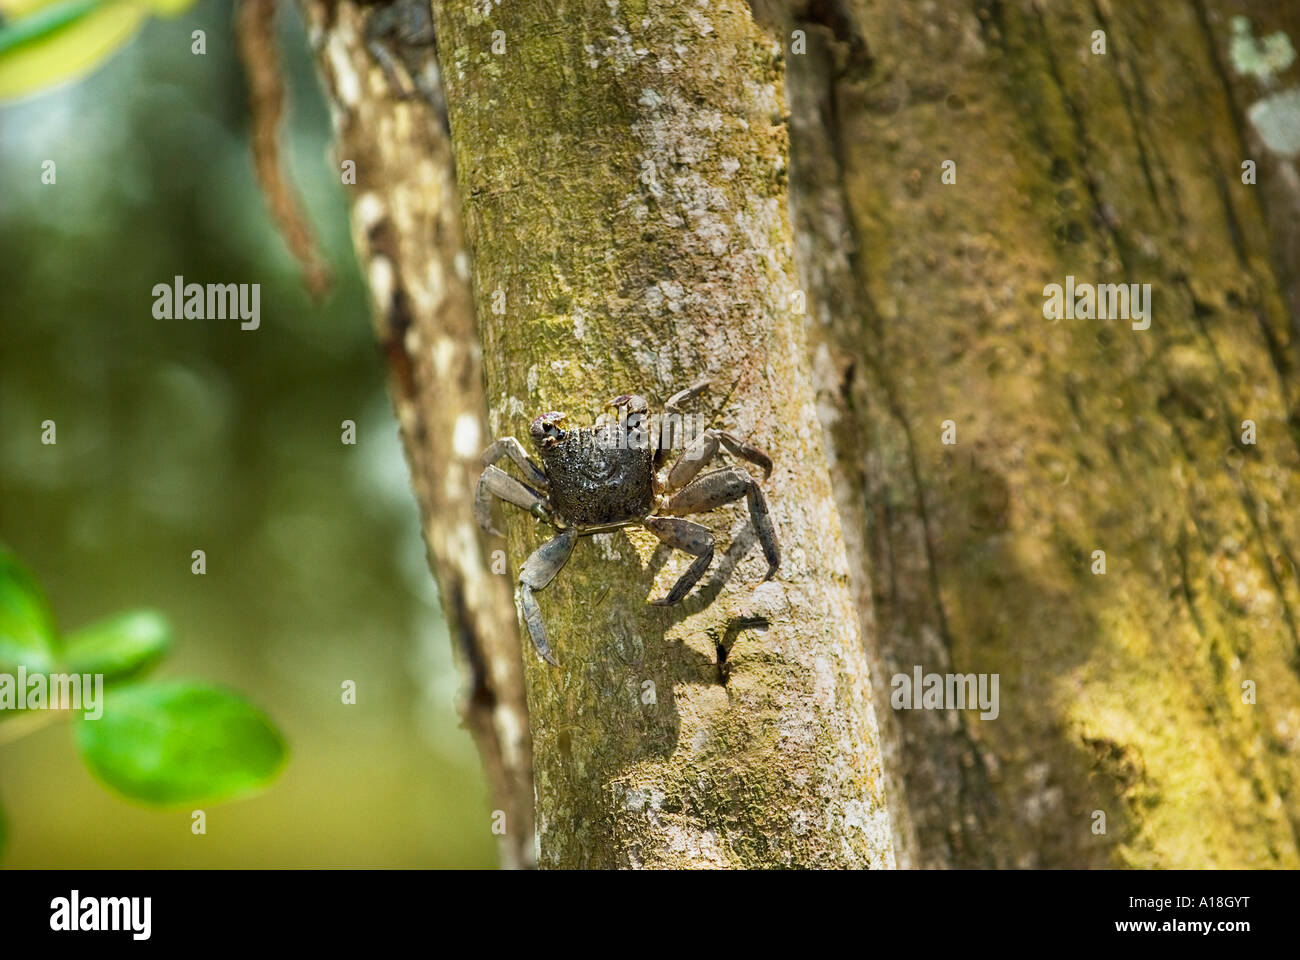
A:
1126	96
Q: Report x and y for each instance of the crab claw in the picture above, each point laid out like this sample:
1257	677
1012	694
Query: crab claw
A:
633	402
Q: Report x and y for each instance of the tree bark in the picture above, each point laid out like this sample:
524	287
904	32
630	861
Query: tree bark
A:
622	170
1120	693
623	174
407	232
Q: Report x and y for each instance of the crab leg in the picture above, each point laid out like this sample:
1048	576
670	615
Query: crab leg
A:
496	482
725	486
686	535
681	396
704	449
669	424
538	571
512	448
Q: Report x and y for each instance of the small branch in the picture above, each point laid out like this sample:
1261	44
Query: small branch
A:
255	33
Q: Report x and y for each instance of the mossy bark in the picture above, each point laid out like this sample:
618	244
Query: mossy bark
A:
623	173
1127	693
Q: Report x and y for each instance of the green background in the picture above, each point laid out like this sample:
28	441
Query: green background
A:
175	435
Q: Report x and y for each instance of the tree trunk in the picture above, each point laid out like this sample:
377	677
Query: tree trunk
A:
622	170
1162	693
624	180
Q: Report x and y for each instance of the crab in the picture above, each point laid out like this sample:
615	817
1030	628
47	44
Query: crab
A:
615	474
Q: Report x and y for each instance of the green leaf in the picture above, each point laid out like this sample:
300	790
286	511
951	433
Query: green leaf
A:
4	832
63	43
47	42
180	742
119	646
27	632
44	19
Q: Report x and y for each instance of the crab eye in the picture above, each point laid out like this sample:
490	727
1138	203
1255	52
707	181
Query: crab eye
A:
546	431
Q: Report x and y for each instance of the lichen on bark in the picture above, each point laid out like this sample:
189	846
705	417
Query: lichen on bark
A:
623	173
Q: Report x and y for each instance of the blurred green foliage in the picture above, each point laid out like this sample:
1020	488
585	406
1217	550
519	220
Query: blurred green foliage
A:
120	646
157	743
46	42
191	434
180	743
27	633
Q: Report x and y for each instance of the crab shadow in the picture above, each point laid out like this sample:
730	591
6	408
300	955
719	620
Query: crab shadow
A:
636	664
